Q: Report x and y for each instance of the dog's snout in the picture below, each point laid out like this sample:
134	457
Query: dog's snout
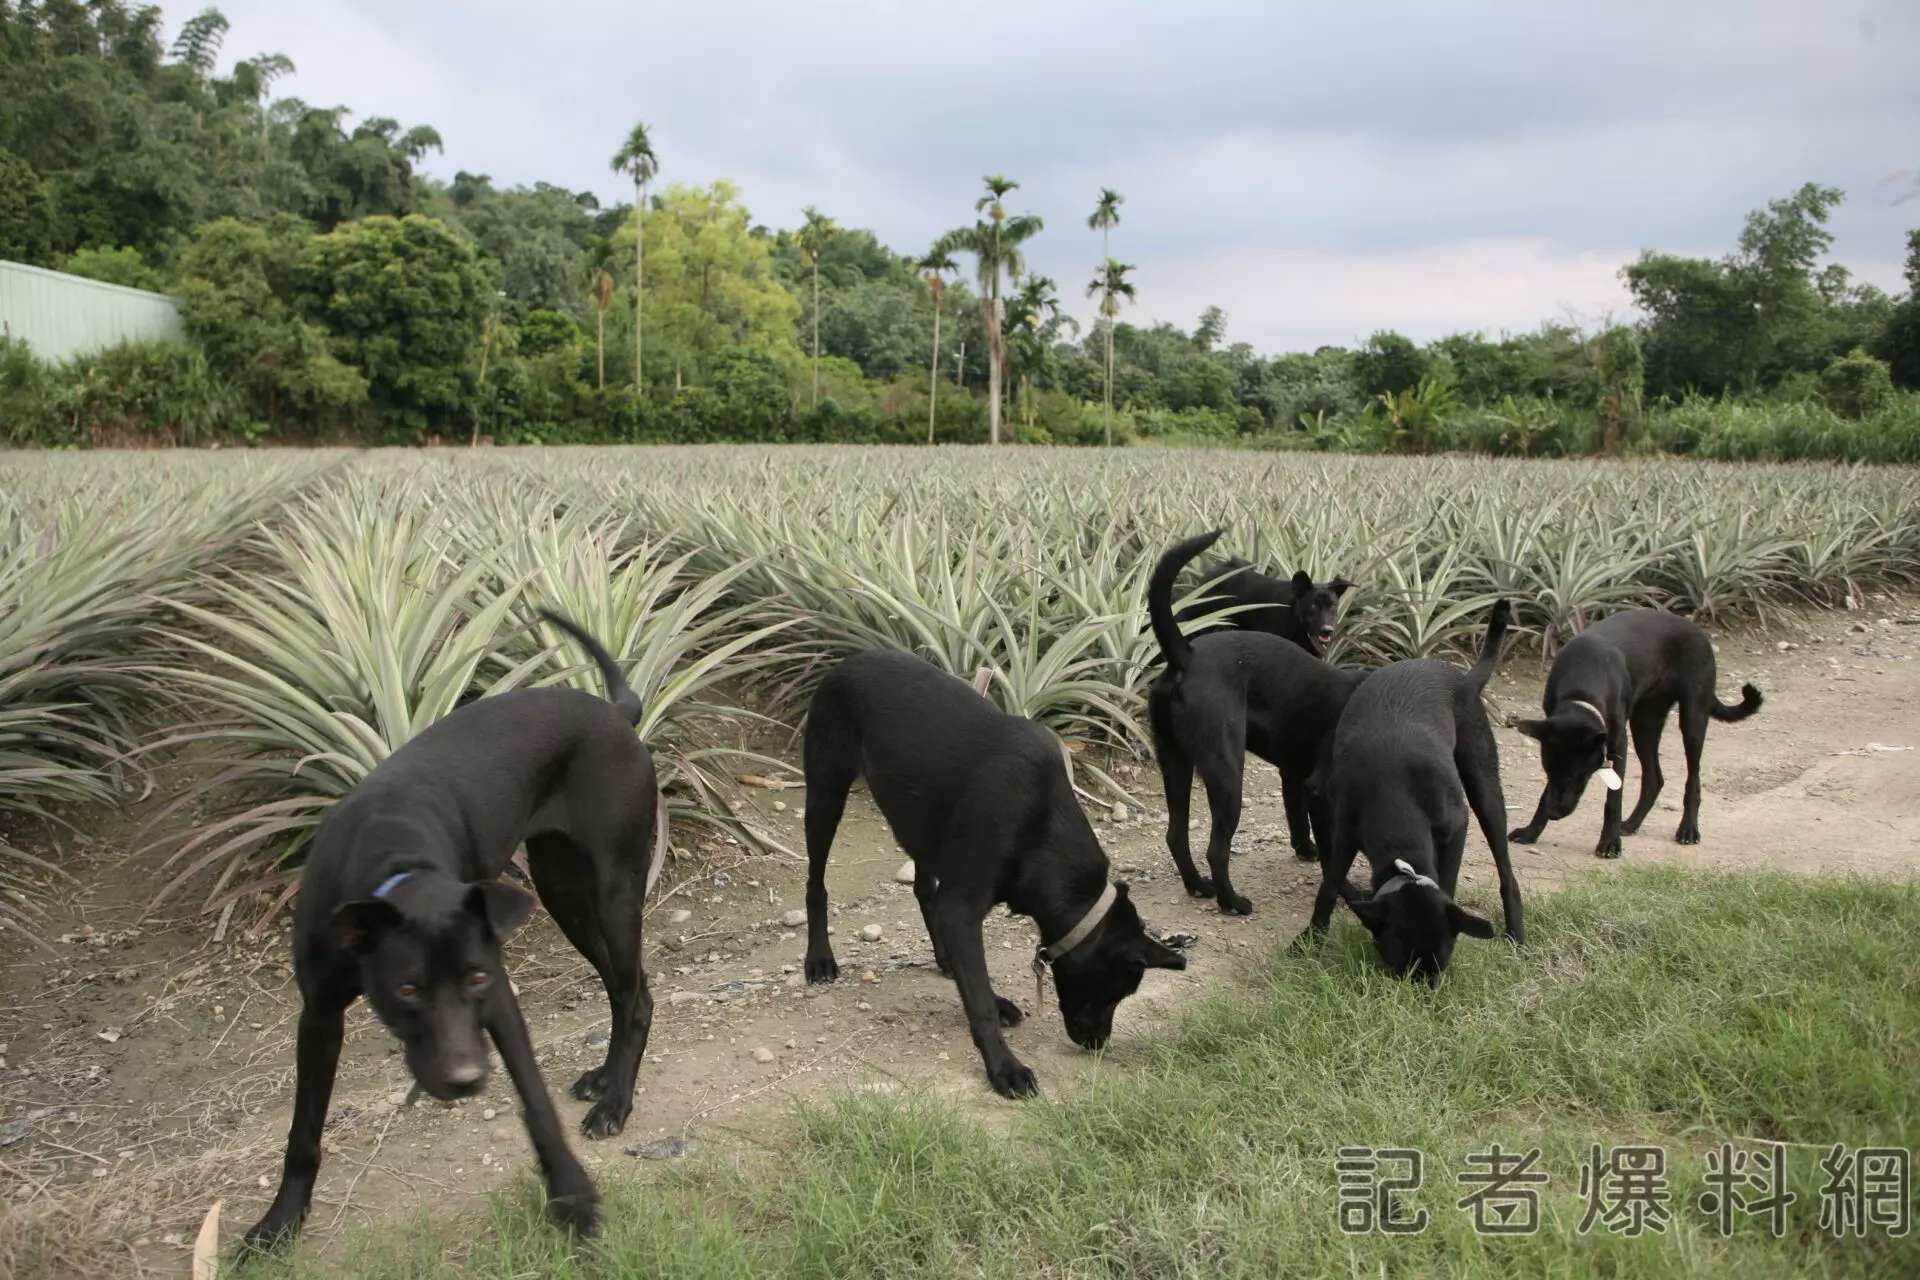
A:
465	1075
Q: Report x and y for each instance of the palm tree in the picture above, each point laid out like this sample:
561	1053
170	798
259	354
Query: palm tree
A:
937	262
1104	218
599	257
812	239
995	245
1032	314
636	159
1111	285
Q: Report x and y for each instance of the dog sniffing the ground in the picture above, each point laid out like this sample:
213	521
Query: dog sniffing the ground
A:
981	801
400	901
1220	696
1412	754
1626	672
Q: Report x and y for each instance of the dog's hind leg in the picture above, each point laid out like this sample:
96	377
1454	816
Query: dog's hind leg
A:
1694	714
1176	782
832	765
1222	767
1477	757
565	879
1336	859
1649	721
1294	794
925	886
316	1059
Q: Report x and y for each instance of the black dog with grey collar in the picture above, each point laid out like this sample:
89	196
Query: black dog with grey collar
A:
982	803
400	902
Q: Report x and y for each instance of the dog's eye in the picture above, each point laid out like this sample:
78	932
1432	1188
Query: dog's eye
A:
477	979
406	991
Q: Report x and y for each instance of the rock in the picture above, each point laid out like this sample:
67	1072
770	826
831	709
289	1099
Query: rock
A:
1786	646
680	916
498	1136
659	1149
1859	626
488	1114
779	806
795	981
685	997
863	1006
871	933
597	1037
1119	812
794	919
763	1054
905	874
397	1099
793	1044
866	975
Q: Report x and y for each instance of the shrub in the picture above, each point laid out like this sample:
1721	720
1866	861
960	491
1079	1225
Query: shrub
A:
1856	385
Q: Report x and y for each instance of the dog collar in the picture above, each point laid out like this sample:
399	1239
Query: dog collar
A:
1074	937
390	883
1597	713
1607	774
1406	877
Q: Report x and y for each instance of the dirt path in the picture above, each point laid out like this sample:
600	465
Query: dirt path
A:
151	1066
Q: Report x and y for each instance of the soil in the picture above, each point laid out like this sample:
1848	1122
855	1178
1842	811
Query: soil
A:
145	1067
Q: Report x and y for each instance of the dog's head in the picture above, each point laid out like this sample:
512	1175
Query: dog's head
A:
429	953
1097	975
1573	747
1316	607
1415	926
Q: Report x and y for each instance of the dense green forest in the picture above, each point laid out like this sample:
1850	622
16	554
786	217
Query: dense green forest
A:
333	292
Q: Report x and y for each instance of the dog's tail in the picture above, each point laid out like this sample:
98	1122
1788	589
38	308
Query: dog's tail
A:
619	692
1174	647
1750	701
1482	671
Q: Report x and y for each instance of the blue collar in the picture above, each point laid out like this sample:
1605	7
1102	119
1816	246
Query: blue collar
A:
387	885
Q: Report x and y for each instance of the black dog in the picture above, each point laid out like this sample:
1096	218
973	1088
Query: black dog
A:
399	902
1413	738
1625	671
1298	609
982	802
1221	696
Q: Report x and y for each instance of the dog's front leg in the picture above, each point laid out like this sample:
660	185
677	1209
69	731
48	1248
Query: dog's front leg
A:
1531	832
1480	779
316	1058
1299	805
572	1200
924	888
1010	1077
1609	846
1336	859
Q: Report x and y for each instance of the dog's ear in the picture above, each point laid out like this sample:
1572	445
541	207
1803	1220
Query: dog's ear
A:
1302	583
1371	912
1158	955
359	925
1464	921
1538	730
504	907
1340	586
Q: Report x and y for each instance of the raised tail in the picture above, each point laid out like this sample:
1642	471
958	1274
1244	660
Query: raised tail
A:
1482	671
1749	703
619	692
1174	647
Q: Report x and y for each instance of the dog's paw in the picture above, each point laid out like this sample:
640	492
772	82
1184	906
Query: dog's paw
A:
1013	1079
270	1233
1689	833
1200	888
1010	1015
606	1117
577	1210
1308	939
1523	835
1233	904
1608	848
1306	852
591	1084
822	968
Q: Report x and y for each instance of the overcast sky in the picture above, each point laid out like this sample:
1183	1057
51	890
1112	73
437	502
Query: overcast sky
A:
1317	169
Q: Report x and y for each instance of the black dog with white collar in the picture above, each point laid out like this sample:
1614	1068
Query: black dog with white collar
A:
1626	672
400	902
981	801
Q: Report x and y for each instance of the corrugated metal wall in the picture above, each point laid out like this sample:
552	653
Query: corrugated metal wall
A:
62	315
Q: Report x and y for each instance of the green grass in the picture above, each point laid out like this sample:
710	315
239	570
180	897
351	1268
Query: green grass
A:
1654	1006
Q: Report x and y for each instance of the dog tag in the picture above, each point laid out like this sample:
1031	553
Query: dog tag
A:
1611	778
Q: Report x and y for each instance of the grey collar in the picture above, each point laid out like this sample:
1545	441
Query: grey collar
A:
1406	877
1597	713
1078	934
